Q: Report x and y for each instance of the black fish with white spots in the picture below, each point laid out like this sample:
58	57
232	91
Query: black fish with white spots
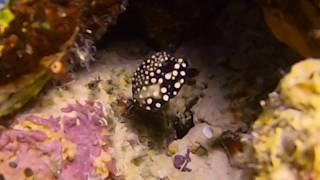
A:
158	79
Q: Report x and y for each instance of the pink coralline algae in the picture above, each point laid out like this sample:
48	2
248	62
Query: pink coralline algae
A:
65	147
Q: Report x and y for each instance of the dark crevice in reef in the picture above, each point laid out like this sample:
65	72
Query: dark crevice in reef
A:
165	24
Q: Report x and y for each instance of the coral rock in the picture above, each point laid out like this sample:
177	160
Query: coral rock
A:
286	136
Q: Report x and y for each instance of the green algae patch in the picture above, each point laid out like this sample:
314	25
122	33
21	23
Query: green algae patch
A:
33	85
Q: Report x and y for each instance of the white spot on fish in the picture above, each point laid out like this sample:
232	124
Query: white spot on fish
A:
163	90
165	97
167	76
184	65
175	73
153	80
177	85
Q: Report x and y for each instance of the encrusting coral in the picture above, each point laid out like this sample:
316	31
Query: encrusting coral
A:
286	136
74	145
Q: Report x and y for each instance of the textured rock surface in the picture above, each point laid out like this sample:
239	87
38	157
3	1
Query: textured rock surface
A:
73	145
286	136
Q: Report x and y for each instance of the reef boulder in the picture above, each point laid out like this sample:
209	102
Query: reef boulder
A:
285	137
